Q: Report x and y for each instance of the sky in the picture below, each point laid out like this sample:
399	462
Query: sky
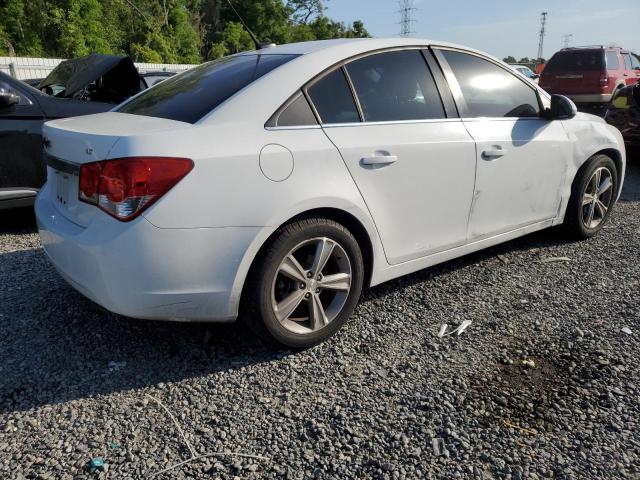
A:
502	27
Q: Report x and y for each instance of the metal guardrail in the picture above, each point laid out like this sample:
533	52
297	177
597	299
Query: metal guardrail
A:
23	68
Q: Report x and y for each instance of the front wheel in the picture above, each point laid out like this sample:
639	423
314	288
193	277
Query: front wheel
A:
593	196
307	283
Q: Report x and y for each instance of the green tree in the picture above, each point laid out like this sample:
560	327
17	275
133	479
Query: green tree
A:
303	10
185	31
509	59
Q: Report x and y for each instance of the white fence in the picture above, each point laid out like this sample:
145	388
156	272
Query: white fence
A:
28	67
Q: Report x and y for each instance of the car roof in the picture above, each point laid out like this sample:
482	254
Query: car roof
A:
363	44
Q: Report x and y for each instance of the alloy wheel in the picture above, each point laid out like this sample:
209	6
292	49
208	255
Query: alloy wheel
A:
311	285
597	198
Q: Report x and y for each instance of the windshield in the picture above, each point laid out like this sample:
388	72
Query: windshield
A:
191	95
576	61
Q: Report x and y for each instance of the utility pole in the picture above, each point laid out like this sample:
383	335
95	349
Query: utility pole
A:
406	17
543	24
566	40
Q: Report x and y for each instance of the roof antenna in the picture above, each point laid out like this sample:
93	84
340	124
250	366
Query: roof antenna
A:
259	46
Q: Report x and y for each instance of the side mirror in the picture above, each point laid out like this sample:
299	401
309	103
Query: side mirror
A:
8	98
562	108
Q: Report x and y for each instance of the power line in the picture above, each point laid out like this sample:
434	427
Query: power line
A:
543	23
406	17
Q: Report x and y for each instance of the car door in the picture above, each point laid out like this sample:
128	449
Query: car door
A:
410	156
521	157
21	170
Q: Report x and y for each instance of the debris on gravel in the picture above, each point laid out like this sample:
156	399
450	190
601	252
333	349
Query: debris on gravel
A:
386	398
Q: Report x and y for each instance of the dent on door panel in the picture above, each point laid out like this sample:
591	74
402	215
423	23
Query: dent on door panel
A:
523	185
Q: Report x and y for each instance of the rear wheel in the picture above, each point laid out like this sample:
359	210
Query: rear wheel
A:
592	198
306	284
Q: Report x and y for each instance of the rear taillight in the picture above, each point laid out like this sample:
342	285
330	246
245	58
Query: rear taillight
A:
125	187
604	80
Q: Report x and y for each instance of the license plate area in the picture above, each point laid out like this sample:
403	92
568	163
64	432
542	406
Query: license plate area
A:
64	180
63	188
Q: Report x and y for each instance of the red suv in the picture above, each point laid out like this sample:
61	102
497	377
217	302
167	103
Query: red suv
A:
590	75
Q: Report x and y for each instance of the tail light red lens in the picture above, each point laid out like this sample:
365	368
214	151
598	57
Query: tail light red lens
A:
604	80
125	187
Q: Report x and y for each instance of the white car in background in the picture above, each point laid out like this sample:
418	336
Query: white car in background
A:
280	182
526	72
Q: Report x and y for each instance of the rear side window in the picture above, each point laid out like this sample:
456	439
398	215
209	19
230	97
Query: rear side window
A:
612	61
190	96
635	61
333	100
395	86
576	61
297	114
627	61
489	90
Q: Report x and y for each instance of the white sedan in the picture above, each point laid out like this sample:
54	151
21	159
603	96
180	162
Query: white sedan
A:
276	184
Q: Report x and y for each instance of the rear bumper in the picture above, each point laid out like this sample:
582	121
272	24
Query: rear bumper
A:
591	98
17	197
138	270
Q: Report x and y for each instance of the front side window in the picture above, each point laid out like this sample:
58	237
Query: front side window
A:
394	86
489	90
333	100
191	95
635	62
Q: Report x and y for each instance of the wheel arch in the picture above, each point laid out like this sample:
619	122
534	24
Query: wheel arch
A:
617	158
354	224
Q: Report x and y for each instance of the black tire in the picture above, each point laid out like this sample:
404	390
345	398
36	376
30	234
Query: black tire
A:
574	222
257	309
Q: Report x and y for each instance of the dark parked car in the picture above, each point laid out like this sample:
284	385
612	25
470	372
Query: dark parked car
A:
76	87
590	75
624	113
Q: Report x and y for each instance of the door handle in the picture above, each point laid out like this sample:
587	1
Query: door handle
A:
493	153
379	160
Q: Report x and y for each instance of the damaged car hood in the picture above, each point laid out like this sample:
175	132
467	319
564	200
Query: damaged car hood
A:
119	75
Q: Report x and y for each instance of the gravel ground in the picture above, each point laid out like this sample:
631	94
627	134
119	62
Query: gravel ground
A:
386	398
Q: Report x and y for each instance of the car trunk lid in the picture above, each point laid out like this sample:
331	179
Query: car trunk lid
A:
72	142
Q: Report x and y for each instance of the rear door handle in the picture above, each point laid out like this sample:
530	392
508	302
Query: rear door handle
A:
379	160
493	153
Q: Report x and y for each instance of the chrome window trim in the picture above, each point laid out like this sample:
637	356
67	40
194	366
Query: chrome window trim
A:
294	127
391	122
500	119
61	165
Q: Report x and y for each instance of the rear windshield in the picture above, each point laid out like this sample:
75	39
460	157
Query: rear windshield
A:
576	61
190	96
